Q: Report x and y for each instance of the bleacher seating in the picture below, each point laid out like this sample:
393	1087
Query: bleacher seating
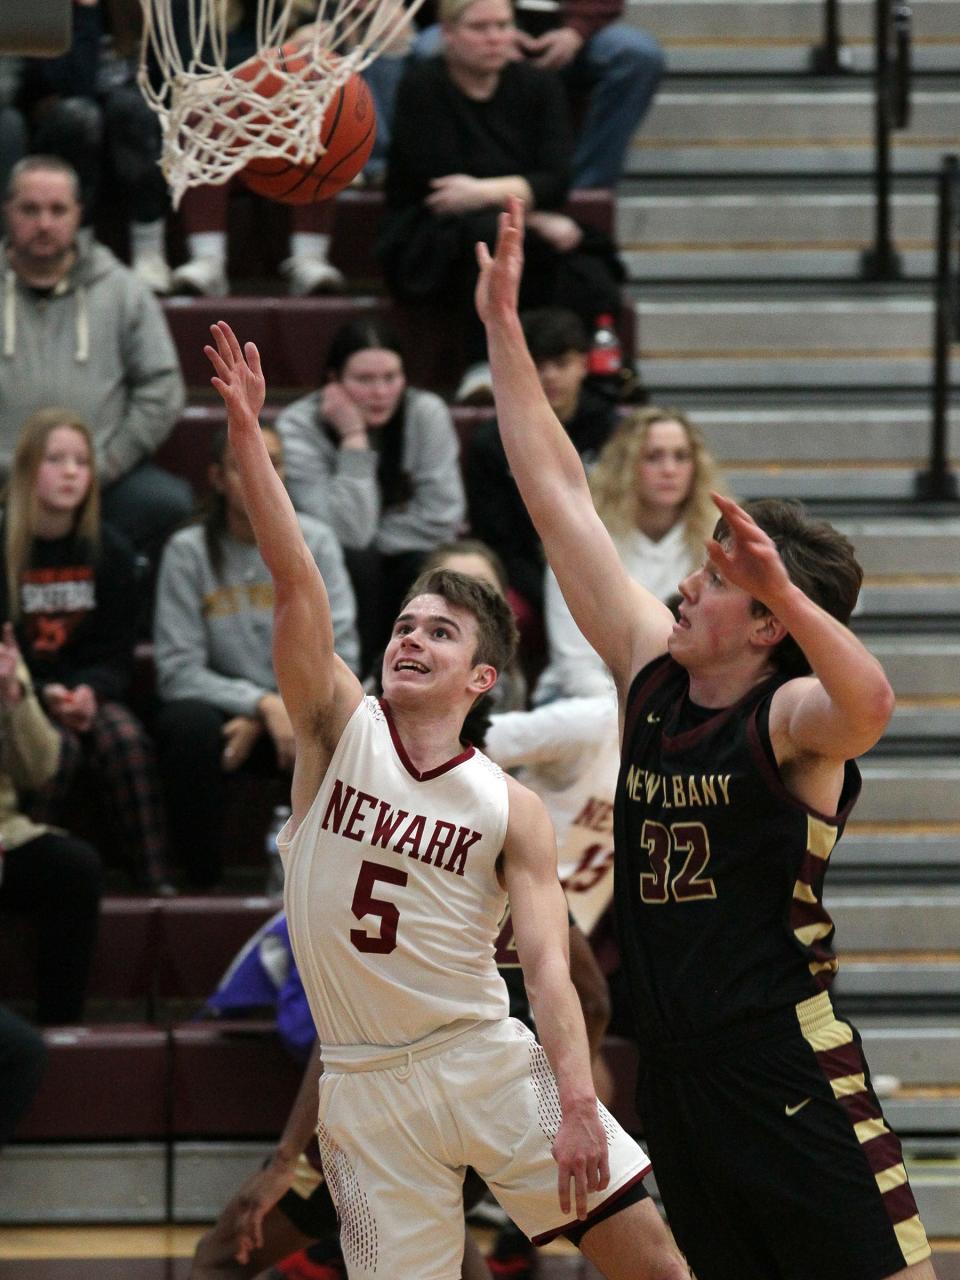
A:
293	333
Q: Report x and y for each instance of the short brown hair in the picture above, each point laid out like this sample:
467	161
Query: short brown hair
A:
818	559
496	627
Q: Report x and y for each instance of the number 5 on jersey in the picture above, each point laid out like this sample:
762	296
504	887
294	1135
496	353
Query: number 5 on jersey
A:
365	904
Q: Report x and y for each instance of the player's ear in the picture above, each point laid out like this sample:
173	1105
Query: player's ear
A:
769	631
483	679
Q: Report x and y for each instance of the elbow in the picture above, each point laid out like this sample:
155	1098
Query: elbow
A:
882	704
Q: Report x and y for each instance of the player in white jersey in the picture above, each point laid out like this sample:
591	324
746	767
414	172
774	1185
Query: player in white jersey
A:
398	854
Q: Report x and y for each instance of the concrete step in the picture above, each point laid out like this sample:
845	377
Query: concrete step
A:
934	596
792	434
766	127
916	1050
905	790
757	233
919	665
924	721
931	1113
887	855
725	336
900	985
893	545
825	483
777	35
916	918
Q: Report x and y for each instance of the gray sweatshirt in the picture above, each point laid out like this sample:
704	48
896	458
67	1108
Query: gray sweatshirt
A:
98	345
213	636
339	486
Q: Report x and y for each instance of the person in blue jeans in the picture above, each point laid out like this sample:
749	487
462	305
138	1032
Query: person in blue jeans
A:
618	65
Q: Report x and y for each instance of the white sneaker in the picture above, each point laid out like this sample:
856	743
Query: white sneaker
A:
204	276
476	386
151	268
311	275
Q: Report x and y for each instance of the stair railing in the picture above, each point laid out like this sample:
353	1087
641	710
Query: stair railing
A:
831	57
893	58
939	481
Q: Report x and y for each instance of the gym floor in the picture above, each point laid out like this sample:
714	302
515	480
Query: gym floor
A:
163	1253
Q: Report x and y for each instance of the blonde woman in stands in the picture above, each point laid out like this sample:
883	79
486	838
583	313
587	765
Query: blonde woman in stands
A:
69	584
651	488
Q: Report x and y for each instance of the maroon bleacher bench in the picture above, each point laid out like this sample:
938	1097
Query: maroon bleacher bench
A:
101	1084
230	1080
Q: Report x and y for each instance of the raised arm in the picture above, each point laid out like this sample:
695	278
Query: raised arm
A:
624	623
539	913
319	691
842	709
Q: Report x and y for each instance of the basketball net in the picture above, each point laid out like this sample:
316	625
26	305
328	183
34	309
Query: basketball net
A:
215	119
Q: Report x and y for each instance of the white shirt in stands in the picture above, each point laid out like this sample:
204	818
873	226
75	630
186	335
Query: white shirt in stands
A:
391	891
573	668
568	753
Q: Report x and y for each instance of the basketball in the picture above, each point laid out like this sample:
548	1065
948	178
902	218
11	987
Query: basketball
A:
347	132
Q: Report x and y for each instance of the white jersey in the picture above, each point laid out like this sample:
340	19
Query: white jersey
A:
391	890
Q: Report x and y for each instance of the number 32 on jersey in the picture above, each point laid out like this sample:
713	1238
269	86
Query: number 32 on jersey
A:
679	856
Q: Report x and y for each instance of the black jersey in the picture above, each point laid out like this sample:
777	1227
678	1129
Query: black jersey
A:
719	870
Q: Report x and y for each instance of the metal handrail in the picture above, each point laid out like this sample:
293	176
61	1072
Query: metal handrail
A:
939	481
892	76
831	56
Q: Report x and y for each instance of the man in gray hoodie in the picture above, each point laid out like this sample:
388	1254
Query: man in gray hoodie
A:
79	330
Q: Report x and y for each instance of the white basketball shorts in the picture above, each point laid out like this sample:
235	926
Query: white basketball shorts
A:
397	1140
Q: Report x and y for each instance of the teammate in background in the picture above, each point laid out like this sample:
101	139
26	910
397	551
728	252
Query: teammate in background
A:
740	723
392	908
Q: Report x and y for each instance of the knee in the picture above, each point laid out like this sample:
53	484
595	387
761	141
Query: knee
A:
80	874
624	52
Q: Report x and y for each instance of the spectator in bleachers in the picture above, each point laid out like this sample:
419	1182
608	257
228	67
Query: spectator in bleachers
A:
213	633
85	107
473	127
77	328
651	487
378	461
558	343
204	210
69	584
618	65
49	876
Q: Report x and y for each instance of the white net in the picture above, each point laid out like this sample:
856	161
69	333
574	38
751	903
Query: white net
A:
215	118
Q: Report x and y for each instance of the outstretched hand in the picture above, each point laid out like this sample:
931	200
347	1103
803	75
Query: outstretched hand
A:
238	377
498	285
748	558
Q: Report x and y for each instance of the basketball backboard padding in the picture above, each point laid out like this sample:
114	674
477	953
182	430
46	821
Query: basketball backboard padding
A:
38	28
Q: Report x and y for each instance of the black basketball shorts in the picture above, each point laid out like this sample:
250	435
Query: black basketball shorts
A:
772	1155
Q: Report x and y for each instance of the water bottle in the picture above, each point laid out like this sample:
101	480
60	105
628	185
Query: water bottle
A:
605	355
274	885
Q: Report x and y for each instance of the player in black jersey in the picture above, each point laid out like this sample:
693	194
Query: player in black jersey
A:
741	720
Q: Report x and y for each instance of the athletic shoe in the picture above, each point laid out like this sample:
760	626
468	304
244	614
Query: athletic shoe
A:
152	269
513	1256
205	277
307	275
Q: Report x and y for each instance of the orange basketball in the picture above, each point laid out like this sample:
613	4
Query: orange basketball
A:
348	131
